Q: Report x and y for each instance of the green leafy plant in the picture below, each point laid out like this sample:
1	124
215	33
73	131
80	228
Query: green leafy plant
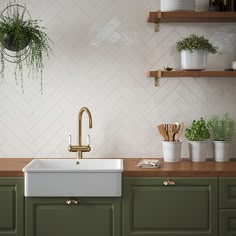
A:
195	42
198	131
221	128
26	39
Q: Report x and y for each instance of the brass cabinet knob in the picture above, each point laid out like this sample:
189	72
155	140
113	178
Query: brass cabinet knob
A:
72	202
169	182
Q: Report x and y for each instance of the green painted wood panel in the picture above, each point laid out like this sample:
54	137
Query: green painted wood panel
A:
93	216
189	208
11	206
227	225
227	192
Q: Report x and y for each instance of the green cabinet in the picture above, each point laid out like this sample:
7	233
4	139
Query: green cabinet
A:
84	216
227	219
11	206
154	206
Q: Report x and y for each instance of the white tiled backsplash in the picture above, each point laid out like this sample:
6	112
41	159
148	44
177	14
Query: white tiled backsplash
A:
102	51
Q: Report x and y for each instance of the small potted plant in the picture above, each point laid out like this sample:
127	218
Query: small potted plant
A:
23	42
197	137
194	50
221	130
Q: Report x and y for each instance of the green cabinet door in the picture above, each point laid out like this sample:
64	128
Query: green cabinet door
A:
11	206
227	219
227	192
227	222
90	217
190	207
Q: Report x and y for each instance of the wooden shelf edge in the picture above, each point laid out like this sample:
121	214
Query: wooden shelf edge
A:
183	73
188	16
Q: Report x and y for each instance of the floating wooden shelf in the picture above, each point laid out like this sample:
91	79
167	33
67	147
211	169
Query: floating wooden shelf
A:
183	73
186	16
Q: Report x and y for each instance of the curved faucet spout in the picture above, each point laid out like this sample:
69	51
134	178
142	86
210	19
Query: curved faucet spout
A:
82	110
80	148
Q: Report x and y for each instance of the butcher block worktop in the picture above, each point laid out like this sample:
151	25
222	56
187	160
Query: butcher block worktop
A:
12	167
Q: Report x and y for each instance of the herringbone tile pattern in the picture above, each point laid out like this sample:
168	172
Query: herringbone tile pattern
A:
102	51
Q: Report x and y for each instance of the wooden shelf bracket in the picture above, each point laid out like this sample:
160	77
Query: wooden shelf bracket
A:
157	23
157	75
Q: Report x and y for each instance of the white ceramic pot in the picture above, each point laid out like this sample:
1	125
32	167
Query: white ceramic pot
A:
177	5
202	5
222	150
171	151
196	60
198	150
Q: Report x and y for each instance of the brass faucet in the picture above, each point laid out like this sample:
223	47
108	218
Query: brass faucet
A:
79	149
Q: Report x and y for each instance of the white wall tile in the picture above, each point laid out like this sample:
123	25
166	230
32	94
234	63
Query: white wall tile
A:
102	52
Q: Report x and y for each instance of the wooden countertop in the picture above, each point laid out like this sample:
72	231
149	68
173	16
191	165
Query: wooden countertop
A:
12	167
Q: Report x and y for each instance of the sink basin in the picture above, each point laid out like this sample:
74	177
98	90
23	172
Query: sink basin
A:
64	178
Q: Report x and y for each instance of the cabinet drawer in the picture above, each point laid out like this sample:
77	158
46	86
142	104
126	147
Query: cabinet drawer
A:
227	192
227	224
188	208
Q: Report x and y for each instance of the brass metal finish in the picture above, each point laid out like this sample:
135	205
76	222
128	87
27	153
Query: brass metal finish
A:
79	149
169	182
156	82
157	23
72	202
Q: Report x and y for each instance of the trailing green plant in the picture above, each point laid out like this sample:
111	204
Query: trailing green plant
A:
195	42
198	131
221	127
29	43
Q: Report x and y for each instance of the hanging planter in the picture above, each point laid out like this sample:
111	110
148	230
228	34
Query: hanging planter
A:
13	43
23	42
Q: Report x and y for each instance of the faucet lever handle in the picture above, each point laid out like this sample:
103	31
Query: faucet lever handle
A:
70	140
88	140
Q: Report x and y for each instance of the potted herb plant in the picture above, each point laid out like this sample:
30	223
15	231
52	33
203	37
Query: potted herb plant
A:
221	130
23	42
194	50
197	136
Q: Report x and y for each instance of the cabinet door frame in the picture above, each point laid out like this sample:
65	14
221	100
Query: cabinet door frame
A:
16	186
129	184
31	204
227	192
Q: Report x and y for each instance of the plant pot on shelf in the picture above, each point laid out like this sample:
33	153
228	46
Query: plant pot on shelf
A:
198	150
177	5
222	151
194	50
195	60
171	151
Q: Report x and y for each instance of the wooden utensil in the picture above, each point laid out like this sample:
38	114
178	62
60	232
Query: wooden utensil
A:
181	127
162	131
171	132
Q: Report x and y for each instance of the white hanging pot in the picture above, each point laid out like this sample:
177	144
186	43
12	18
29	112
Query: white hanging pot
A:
198	150
195	60
177	5
222	151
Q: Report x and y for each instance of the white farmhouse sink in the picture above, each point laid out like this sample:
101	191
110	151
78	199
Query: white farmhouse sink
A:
63	177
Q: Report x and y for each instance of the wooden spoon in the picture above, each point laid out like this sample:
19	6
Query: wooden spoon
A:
171	132
162	131
181	127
